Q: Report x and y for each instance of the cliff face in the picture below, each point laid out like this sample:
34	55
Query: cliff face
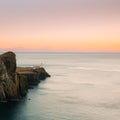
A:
8	83
9	60
14	85
3	78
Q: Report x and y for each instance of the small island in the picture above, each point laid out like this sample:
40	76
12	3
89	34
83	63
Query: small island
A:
15	81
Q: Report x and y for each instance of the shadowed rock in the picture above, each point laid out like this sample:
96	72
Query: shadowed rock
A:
8	83
33	74
9	60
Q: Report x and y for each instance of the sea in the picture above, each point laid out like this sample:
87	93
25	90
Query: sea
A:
82	86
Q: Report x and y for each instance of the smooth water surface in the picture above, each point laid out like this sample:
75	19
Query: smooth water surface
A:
83	86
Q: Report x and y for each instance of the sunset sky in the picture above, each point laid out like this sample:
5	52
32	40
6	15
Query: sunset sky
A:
60	25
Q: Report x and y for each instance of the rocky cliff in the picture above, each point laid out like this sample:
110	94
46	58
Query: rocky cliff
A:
33	74
14	81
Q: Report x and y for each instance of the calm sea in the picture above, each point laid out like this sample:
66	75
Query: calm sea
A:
83	86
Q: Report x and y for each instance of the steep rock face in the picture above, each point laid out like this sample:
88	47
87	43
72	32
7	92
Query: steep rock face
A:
9	60
23	84
8	83
2	80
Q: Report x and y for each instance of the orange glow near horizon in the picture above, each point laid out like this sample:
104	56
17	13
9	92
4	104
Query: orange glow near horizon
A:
69	45
66	25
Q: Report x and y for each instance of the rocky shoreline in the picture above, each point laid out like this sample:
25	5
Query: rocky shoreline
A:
15	81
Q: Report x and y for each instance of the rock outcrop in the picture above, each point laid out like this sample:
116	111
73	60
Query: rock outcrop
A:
14	81
33	74
8	83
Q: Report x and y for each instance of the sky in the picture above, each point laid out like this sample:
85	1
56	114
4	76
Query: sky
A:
60	25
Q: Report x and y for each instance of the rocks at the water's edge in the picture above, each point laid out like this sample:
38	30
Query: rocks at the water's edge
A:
14	82
33	74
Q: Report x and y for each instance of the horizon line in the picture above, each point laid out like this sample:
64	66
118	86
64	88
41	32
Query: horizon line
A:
105	52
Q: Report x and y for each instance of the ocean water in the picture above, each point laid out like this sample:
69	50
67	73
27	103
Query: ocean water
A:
83	86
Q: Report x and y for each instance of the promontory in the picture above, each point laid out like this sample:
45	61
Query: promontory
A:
15	81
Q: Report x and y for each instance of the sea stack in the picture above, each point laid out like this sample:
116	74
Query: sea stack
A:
14	82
